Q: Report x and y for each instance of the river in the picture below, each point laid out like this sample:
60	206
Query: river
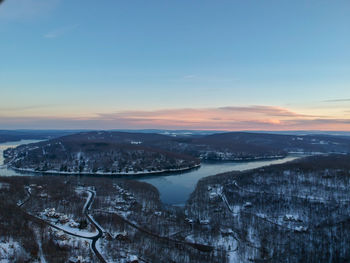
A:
174	188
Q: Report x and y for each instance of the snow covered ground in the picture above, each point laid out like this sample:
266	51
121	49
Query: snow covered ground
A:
68	225
9	249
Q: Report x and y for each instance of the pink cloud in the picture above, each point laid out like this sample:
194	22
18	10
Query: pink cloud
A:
222	118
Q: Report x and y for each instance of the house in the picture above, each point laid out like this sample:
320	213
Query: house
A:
64	219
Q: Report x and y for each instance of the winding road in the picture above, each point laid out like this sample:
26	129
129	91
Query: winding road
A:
86	210
94	239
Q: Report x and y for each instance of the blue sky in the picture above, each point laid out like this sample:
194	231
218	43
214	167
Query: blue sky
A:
70	64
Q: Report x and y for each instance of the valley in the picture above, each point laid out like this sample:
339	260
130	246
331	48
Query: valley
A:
230	217
282	210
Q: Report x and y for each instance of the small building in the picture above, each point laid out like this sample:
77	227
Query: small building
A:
64	219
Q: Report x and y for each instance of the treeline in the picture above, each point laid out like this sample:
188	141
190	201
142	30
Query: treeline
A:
294	212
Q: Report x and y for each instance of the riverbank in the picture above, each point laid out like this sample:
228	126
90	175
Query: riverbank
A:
48	172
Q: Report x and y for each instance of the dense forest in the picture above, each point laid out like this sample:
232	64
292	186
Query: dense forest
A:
108	152
292	212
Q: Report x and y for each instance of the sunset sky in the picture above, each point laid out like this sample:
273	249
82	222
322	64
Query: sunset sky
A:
208	65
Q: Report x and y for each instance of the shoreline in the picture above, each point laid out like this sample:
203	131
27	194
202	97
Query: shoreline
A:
53	172
165	171
248	159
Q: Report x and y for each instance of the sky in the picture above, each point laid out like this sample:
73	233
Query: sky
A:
184	64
